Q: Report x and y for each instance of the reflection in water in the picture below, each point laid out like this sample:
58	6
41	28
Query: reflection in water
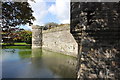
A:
24	54
38	64
36	58
60	64
36	53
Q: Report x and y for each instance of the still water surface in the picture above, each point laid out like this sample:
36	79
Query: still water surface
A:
36	63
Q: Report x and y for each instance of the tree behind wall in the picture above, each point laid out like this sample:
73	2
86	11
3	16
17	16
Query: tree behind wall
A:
15	14
50	25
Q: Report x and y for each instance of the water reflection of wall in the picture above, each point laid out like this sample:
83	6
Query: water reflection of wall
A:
36	52
24	54
60	64
36	58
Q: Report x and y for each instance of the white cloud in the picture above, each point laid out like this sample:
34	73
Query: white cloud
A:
61	9
40	11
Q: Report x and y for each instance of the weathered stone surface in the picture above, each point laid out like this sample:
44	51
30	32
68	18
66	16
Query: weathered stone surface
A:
60	41
98	61
36	36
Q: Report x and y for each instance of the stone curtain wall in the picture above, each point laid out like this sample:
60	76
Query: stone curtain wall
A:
60	40
36	36
57	39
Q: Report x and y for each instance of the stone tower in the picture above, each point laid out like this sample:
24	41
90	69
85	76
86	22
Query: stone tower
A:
36	36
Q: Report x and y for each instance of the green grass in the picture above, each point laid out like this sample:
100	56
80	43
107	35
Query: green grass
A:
16	47
17	44
20	44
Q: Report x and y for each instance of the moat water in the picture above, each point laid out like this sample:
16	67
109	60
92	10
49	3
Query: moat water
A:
36	63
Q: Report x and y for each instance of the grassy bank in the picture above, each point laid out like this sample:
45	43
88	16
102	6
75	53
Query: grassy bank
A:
8	44
16	47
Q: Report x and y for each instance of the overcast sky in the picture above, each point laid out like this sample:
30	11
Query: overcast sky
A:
50	11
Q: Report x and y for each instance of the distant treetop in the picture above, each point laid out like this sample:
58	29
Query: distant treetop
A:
16	13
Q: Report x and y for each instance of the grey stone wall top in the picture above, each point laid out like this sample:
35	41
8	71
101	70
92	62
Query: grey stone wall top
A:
36	27
56	29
